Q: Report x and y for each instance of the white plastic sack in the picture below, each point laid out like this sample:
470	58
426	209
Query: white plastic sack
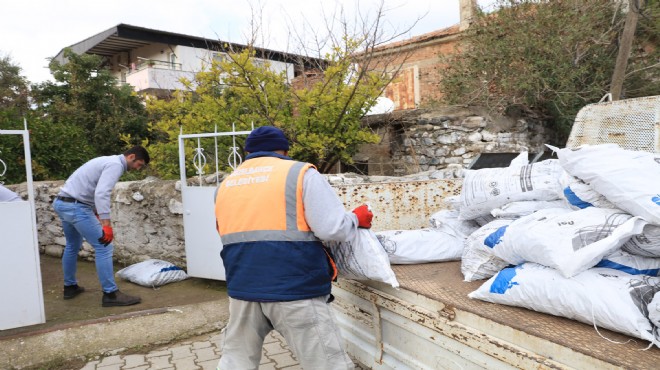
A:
363	258
654	310
629	179
453	202
581	195
523	208
569	241
602	297
521	160
447	219
421	246
631	264
152	273
645	244
478	261
489	188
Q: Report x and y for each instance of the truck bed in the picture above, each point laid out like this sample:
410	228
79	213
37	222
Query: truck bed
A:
444	282
430	323
435	319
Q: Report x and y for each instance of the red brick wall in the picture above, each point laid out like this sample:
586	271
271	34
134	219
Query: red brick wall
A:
427	58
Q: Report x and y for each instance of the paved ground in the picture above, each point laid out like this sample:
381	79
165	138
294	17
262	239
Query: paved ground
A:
197	353
195	303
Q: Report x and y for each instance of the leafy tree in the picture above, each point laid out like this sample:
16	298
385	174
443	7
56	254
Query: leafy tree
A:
14	105
549	58
56	149
86	96
320	113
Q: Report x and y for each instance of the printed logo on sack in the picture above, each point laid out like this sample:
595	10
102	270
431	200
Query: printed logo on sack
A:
496	237
503	280
656	199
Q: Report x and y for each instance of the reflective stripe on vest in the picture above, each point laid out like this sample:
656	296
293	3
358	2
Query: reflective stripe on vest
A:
262	200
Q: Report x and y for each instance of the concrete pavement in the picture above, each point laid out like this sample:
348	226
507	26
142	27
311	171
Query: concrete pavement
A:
200	353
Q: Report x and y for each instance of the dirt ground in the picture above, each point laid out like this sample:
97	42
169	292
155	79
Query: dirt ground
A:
87	306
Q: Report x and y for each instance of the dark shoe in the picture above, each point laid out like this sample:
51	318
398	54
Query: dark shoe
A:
118	298
72	291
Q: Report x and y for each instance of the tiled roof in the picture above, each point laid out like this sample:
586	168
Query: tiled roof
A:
449	31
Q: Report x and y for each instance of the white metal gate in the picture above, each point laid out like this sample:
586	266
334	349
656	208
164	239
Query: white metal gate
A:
203	243
20	283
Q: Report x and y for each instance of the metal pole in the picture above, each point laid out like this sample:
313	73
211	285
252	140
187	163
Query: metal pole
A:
619	74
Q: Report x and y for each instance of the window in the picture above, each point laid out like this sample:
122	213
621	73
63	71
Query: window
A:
172	60
219	57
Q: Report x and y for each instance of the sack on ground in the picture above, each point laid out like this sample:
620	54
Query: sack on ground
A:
422	246
152	273
569	241
629	179
489	188
363	258
478	261
603	297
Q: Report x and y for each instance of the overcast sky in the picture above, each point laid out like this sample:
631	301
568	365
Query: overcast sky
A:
34	30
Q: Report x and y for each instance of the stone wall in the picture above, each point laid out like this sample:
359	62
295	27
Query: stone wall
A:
428	140
146	216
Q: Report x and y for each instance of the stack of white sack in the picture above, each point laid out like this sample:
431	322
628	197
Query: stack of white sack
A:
494	197
628	179
606	176
599	296
569	241
593	257
490	188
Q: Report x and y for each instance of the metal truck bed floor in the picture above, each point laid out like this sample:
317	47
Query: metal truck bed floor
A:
444	282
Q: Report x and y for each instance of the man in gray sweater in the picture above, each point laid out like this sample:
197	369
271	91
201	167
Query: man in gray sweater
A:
83	205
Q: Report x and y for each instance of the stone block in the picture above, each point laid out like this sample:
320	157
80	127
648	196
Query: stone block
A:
54	250
488	136
441	152
175	207
458	151
428	141
474	137
474	122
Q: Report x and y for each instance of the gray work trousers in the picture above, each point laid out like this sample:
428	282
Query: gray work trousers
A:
308	325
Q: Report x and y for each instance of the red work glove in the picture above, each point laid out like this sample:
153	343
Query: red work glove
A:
107	236
364	216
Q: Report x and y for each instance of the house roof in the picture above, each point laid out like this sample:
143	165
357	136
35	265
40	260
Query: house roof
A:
124	38
426	37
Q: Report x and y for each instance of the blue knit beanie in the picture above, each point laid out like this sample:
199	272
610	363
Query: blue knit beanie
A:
266	139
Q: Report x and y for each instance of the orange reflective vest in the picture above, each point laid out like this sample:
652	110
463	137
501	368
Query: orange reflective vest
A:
269	251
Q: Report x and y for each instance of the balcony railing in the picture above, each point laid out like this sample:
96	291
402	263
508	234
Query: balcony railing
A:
152	75
153	63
